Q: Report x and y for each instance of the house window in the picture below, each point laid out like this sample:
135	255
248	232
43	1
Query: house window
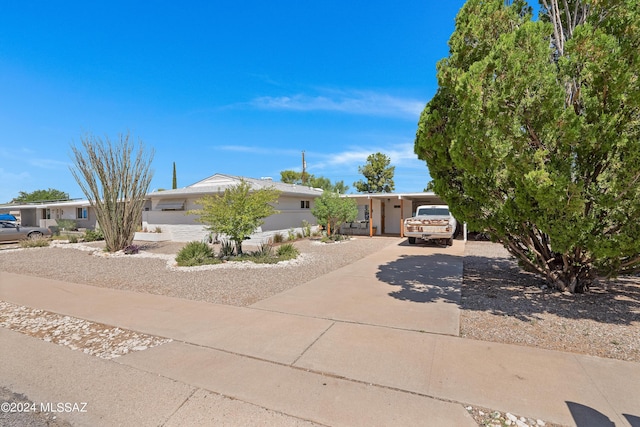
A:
304	204
46	213
81	213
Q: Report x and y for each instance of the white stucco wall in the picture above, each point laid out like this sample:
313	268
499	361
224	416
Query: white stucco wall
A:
184	228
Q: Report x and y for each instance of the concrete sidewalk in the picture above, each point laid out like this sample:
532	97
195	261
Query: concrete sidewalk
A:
373	343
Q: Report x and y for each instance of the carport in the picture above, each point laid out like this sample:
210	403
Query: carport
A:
384	213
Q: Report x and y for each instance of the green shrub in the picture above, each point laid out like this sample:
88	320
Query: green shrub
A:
292	234
67	224
278	238
196	253
93	235
34	242
333	238
265	249
72	238
306	229
226	248
287	251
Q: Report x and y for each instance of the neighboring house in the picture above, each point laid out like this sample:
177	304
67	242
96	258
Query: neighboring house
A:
167	210
45	214
384	213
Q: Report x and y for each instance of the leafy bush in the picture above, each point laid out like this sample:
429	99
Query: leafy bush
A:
306	229
67	224
333	238
265	249
287	251
93	235
196	253
34	242
72	238
264	255
292	234
226	249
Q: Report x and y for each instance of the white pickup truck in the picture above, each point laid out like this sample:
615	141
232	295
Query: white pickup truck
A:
432	222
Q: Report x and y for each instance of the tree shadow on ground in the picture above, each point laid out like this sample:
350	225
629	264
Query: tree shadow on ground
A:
496	284
633	420
424	278
585	416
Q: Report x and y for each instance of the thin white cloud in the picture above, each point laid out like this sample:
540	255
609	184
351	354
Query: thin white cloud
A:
48	164
256	150
400	154
354	102
12	177
11	182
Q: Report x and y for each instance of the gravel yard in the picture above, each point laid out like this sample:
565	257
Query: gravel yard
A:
501	303
238	284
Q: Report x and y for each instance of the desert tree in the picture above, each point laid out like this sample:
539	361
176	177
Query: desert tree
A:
40	196
331	210
534	133
293	177
238	212
378	174
115	177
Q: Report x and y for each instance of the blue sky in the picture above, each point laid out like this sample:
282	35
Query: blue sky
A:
240	88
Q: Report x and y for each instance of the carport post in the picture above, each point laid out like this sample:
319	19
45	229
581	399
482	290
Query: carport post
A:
401	216
464	230
370	216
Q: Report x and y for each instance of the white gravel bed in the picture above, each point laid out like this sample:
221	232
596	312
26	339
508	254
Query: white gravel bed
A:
96	339
233	283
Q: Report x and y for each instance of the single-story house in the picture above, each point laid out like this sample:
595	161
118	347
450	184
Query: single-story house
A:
45	214
166	210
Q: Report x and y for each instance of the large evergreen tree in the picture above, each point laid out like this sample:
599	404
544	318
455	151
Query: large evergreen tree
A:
378	174
534	133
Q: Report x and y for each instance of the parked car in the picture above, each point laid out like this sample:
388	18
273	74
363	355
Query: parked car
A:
8	217
11	232
431	222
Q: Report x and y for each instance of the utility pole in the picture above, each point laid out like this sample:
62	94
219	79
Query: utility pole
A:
304	169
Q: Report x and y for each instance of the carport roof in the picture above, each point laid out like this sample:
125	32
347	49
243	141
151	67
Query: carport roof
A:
426	197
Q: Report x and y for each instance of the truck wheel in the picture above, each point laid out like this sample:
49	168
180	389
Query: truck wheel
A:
412	240
450	242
